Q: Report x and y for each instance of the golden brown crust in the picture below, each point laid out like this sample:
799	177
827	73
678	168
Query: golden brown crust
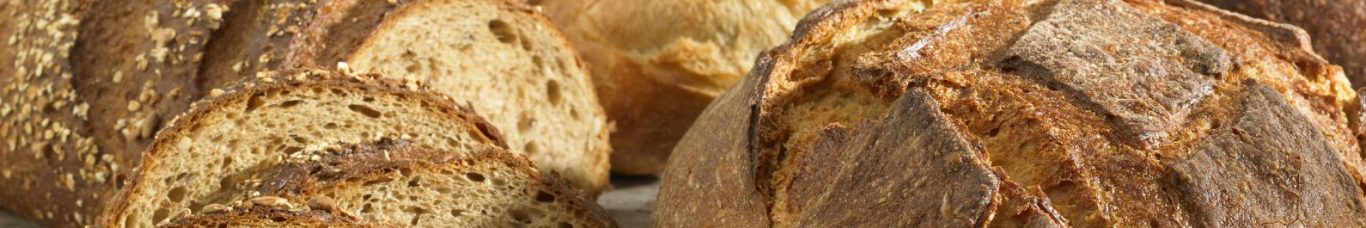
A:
654	79
1338	27
1058	97
281	81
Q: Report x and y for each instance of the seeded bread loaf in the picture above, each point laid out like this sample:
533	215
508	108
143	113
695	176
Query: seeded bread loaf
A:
499	56
255	37
657	64
44	144
1026	113
1338	27
218	147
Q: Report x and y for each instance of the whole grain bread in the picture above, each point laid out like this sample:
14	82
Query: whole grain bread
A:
657	64
44	143
1338	27
91	82
499	56
1026	113
249	214
218	148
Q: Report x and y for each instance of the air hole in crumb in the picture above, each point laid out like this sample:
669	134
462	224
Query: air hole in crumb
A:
330	126
293	149
525	123
413	68
498	182
254	102
552	91
457	212
278	219
367	208
544	197
531	148
475	177
176	194
566	225
502	31
291	103
364	110
406	172
160	214
524	215
414	183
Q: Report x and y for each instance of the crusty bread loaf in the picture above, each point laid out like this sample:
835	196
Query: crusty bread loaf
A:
394	182
216	149
249	214
43	138
1026	113
657	64
256	36
1338	27
500	56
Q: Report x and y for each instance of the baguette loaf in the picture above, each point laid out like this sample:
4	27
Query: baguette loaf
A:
1337	26
1026	113
216	150
657	64
501	56
44	143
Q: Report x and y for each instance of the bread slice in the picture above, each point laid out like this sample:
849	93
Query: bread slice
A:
218	148
1338	27
500	56
657	64
395	182
44	142
248	214
1082	113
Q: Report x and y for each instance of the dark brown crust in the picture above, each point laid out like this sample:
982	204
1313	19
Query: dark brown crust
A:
1337	26
282	81
266	216
256	36
360	163
1084	174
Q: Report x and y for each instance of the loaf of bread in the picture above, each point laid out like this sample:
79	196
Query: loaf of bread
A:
1011	113
499	56
1338	27
657	64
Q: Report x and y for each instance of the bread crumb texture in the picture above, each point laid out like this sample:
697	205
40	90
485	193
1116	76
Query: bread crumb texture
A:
1027	113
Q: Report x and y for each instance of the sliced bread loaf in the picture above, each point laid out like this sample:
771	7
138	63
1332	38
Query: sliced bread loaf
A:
265	213
657	64
46	151
222	144
500	56
1004	113
396	182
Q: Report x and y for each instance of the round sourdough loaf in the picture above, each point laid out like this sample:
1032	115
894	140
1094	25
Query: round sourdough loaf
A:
1337	26
657	64
1026	113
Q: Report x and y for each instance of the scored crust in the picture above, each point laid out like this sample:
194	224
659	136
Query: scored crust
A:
285	83
1201	117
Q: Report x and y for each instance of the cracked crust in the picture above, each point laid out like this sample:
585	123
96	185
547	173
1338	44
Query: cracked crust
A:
1063	147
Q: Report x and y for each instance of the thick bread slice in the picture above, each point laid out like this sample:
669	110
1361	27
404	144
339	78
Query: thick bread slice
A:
44	145
395	182
248	214
219	147
1085	113
657	64
1337	26
500	56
